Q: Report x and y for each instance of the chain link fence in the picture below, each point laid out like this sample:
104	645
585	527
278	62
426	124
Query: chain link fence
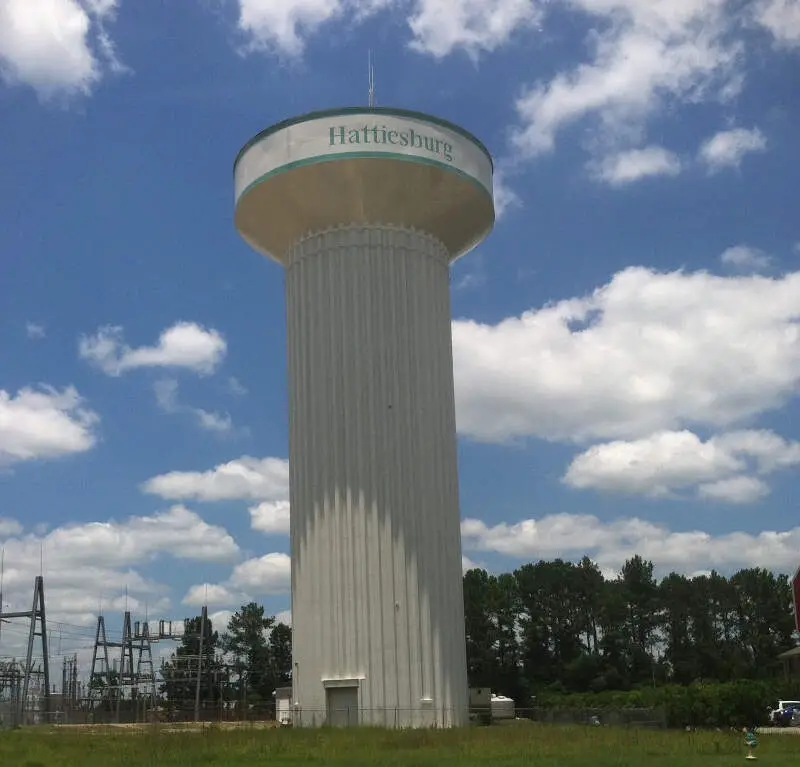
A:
147	711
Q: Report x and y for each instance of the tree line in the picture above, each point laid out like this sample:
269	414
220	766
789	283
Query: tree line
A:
243	665
558	627
546	629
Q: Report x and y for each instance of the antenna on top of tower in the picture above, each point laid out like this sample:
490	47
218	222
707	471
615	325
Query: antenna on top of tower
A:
371	80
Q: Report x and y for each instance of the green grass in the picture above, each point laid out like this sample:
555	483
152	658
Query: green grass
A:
510	746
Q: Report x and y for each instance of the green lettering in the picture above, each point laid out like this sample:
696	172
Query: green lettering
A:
341	135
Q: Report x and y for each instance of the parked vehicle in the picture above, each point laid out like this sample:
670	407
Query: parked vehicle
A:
786	714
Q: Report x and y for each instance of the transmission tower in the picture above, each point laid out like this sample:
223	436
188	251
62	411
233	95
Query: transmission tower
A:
133	674
37	628
101	681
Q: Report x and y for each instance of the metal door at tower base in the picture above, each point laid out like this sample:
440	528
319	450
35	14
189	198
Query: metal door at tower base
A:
342	706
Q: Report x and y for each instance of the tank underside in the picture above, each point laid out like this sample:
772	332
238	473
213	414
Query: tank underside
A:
275	213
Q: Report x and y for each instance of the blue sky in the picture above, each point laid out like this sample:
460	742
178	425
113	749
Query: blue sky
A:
626	343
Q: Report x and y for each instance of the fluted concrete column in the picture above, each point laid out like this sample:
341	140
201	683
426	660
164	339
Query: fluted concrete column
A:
375	530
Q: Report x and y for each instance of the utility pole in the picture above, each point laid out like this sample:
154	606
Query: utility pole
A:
203	620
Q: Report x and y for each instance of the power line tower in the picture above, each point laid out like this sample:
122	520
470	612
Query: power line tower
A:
38	628
127	679
102	682
145	670
69	683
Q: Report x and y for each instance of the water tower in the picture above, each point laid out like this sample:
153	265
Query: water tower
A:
366	209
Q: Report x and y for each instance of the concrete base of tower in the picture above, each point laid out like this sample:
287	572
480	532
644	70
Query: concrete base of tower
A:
377	598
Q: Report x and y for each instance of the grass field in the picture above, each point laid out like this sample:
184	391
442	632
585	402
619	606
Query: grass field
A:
510	746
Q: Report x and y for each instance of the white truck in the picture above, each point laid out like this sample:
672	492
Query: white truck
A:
787	714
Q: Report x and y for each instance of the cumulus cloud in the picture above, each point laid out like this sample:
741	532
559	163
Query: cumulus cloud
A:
184	345
236	387
245	478
571	536
745	258
505	198
9	528
646	352
281	26
57	47
270	517
89	563
263	576
35	331
269	575
633	165
668	462
166	391
644	53
727	148
44	423
735	490
781	18
210	595
440	27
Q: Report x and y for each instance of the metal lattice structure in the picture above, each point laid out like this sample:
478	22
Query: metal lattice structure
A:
29	688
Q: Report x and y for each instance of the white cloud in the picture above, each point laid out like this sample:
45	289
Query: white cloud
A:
44	423
268	575
668	462
440	27
644	53
209	594
166	391
636	164
781	18
263	576
745	258
220	619
35	331
220	423
57	47
280	26
236	387
735	490
727	148
9	527
89	563
285	617
610	544
505	198
270	517
246	478
184	345
177	531
646	352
